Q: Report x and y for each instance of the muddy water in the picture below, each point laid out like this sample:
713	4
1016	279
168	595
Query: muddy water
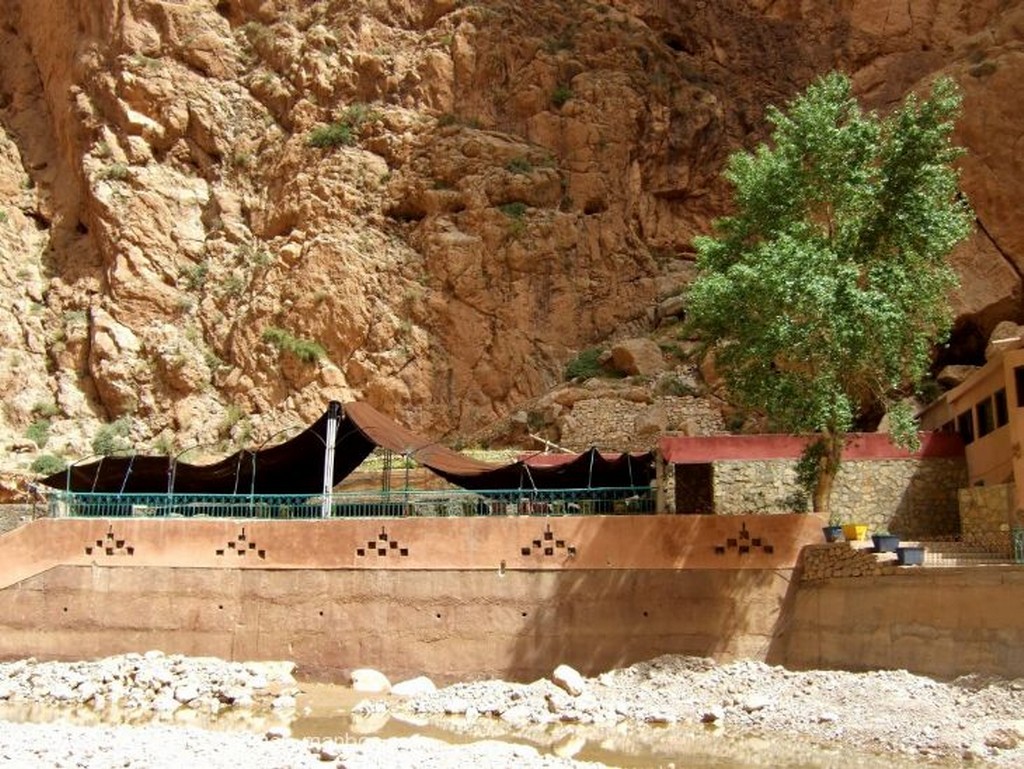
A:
324	711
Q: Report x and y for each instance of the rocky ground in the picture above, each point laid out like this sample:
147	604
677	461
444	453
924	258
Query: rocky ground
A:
12	516
651	713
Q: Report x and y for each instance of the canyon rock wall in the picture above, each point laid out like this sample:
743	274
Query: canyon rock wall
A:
216	216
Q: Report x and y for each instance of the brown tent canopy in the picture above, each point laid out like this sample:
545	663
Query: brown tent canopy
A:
297	466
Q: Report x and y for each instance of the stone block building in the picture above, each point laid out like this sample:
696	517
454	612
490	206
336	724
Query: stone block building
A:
914	494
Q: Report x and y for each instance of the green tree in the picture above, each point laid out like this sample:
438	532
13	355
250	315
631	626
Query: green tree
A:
826	290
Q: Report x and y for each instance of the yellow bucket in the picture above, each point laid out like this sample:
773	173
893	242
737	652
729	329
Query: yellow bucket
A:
855	532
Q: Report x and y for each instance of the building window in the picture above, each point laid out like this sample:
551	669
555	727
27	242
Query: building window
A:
965	426
1002	414
986	417
1018	380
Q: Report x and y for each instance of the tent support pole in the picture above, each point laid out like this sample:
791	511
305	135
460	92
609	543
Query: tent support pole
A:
660	496
333	415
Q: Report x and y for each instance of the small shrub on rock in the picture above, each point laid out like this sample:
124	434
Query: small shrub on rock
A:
585	365
47	464
305	350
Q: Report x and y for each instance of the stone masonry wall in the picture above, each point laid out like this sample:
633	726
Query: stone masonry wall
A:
987	516
915	498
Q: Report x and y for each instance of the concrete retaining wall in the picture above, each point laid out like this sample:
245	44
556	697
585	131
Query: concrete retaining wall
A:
449	597
484	597
943	622
446	624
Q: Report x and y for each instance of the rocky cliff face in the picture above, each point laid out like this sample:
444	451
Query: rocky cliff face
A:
216	216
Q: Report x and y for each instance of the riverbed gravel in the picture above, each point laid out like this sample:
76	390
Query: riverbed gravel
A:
669	705
973	718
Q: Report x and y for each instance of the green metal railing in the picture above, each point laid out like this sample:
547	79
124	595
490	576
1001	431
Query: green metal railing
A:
394	504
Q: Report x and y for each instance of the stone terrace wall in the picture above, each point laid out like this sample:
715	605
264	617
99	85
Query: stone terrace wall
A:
839	560
915	498
987	517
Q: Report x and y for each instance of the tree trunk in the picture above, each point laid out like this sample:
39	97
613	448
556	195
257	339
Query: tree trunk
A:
828	467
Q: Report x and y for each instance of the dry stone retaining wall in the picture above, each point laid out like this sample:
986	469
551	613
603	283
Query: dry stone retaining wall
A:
840	559
626	425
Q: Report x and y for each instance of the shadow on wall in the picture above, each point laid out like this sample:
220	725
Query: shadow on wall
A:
600	619
928	507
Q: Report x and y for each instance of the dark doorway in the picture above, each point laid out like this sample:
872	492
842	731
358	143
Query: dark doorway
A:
695	488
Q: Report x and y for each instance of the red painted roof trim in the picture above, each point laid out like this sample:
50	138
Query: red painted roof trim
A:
689	450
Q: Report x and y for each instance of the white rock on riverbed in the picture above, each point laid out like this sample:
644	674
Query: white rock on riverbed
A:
149	682
895	712
414	687
369	681
974	718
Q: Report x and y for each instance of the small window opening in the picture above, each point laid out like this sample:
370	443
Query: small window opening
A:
1002	412
965	426
986	417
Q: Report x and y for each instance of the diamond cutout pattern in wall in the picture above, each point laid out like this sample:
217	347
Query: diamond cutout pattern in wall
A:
110	544
241	546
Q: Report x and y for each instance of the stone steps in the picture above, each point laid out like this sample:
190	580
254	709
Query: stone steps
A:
941	554
953	554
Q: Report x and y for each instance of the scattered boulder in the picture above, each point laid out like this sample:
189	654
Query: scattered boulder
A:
953	375
569	679
660	717
637	357
672	307
329	751
1006	335
1003	739
277	733
652	422
713	715
186	693
370	681
755	702
517	714
413	687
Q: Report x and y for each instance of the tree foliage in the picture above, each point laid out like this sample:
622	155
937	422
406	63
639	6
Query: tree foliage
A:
826	290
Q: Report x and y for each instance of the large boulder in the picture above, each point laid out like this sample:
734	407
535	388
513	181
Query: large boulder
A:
1007	335
369	681
637	357
569	679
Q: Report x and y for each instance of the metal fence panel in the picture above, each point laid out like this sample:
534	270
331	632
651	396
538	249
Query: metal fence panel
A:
386	504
